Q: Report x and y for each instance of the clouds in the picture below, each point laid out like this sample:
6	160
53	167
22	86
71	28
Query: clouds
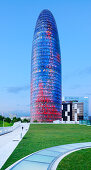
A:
85	71
78	73
23	105
89	94
76	86
18	89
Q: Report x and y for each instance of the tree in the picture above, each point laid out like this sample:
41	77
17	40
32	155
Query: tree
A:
1	117
7	120
25	120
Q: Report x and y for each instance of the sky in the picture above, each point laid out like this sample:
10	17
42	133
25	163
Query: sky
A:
17	24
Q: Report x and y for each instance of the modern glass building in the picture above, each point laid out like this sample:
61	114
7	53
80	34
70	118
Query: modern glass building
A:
46	70
80	99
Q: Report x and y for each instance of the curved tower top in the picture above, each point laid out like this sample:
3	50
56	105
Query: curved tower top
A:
47	22
46	70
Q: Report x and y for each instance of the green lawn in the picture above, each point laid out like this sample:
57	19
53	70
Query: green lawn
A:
79	160
5	124
42	136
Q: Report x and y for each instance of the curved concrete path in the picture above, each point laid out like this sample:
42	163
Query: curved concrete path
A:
47	159
9	141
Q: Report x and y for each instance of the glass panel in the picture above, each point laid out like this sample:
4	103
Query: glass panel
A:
27	165
50	153
40	158
58	149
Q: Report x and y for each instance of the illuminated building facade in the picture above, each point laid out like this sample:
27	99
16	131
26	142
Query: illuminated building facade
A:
46	70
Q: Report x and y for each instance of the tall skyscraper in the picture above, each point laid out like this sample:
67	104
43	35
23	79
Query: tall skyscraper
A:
46	70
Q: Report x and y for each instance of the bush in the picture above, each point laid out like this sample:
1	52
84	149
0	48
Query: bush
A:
25	120
7	120
15	119
35	121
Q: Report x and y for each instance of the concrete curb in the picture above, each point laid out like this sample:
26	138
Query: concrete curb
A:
57	161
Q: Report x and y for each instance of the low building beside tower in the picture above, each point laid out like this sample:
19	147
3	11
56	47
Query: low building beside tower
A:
84	100
72	111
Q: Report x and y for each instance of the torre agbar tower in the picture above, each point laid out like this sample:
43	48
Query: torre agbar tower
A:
46	70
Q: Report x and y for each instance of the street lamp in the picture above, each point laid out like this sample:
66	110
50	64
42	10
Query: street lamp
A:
3	122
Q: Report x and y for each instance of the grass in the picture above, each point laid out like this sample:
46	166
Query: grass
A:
40	136
79	160
5	124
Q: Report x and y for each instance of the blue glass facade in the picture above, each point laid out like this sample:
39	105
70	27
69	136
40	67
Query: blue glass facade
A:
46	70
80	99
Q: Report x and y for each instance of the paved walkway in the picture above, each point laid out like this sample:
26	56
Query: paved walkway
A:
45	159
9	141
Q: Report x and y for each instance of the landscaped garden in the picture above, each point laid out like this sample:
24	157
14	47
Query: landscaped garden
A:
78	160
5	124
6	121
42	136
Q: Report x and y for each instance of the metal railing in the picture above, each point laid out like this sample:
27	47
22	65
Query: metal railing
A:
85	122
4	130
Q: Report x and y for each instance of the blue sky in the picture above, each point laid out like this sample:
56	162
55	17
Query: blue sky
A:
17	23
